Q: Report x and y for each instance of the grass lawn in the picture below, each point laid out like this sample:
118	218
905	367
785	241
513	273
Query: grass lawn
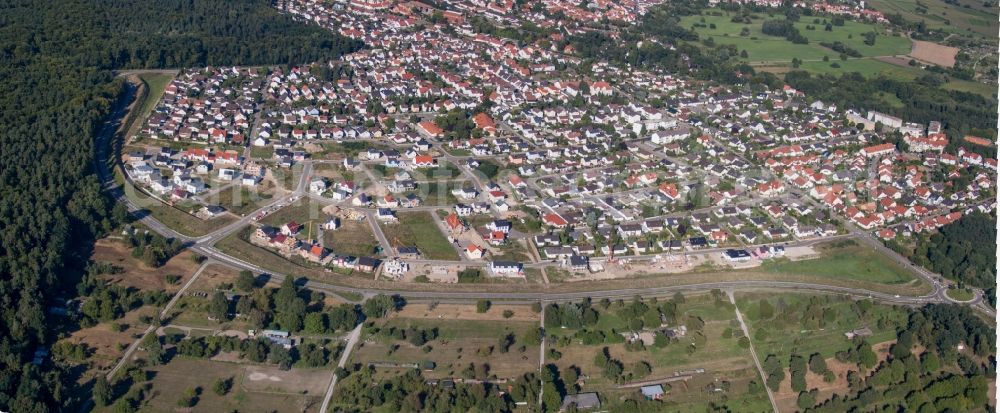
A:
156	82
419	229
445	170
458	344
242	200
973	87
303	211
765	48
437	193
852	262
172	379
961	294
353	238
867	67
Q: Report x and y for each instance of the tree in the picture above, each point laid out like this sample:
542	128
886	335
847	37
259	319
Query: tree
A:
189	398
642	369
154	349
245	281
218	308
279	355
102	391
482	306
315	323
807	399
222	386
797	369
817	363
380	305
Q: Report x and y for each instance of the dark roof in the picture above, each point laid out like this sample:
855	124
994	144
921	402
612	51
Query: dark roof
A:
582	401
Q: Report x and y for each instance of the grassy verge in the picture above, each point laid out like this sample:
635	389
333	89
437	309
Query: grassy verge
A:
961	294
851	262
177	219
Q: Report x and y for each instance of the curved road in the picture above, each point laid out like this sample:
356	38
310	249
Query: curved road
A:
204	245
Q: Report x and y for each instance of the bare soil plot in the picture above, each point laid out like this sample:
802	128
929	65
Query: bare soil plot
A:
468	312
938	54
215	275
269	379
137	274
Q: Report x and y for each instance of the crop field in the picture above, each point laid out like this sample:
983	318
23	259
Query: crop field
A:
974	20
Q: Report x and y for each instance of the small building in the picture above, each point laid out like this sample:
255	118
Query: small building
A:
653	392
505	267
736	256
581	401
858	332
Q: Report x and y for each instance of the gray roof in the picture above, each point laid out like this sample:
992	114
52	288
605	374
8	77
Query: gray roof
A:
582	401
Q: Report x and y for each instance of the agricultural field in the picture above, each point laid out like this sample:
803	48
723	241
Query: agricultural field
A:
971	18
765	49
462	336
419	229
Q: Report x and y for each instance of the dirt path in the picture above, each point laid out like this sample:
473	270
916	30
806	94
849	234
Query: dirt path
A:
753	353
352	340
131	349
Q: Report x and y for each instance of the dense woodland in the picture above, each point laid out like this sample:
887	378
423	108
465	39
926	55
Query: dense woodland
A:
964	251
57	86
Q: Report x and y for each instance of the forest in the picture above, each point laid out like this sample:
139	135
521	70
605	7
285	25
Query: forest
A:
964	251
56	64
